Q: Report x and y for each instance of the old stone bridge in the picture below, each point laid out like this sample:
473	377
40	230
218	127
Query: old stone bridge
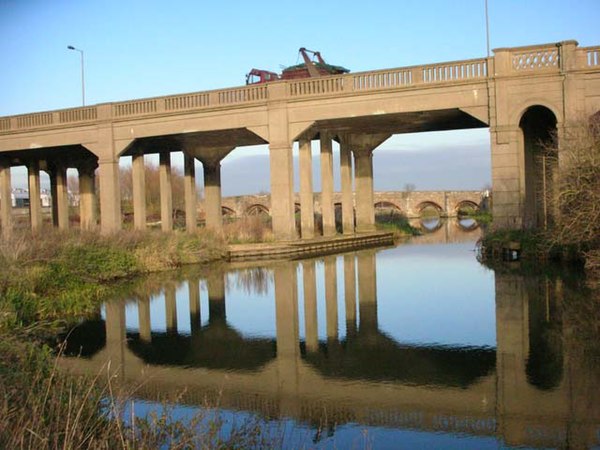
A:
524	95
411	204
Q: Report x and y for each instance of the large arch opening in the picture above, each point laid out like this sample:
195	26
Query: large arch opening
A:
540	157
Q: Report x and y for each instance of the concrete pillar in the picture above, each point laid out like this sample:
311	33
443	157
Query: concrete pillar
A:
189	186
367	290
307	211
282	192
87	197
287	335
194	298
166	192
138	175
5	199
212	195
331	297
110	196
365	208
347	188
145	328
310	305
217	311
350	293
115	336
171	308
35	206
54	197
327	206
60	196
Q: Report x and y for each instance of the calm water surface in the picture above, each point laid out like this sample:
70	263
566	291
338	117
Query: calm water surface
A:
417	346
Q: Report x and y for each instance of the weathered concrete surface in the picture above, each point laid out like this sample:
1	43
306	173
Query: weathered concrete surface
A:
508	92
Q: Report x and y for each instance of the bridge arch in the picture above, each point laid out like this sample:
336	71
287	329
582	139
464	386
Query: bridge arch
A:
517	116
538	144
257	209
385	205
464	205
429	205
228	212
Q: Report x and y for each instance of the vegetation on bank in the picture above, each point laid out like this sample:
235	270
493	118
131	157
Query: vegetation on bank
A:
51	281
395	222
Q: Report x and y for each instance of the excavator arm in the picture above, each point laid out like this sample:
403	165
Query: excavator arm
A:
310	65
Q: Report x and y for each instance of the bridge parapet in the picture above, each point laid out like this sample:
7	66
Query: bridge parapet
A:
548	57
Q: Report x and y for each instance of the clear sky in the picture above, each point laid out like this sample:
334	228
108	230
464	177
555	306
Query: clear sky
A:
146	48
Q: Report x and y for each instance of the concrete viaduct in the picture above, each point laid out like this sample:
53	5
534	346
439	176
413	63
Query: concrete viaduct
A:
522	94
479	391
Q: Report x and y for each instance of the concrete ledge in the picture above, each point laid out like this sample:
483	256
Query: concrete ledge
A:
309	247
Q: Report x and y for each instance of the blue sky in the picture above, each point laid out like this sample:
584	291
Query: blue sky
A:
137	49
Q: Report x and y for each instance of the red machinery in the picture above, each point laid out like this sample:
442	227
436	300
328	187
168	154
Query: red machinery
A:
308	69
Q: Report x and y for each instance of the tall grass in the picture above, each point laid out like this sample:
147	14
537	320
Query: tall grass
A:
42	407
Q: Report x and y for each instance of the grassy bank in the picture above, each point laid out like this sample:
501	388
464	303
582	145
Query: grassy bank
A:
49	282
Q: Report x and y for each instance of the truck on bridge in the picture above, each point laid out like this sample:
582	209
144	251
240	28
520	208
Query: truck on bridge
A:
309	69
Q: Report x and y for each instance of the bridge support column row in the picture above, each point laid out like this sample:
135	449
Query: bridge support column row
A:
367	297
5	199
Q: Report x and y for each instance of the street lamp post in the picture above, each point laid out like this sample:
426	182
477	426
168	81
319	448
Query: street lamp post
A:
70	47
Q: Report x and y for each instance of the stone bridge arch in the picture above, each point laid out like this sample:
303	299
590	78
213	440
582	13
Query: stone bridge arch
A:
421	207
257	209
463	205
228	212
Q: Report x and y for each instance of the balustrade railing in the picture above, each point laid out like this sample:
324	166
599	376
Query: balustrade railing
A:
462	70
5	124
242	95
592	56
535	59
34	120
383	79
134	108
313	86
78	115
188	101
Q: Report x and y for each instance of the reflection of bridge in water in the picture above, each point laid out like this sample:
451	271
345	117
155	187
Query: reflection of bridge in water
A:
534	395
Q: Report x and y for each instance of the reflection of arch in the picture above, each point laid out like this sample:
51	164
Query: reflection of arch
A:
538	126
227	211
467	224
431	224
466	205
257	210
429	205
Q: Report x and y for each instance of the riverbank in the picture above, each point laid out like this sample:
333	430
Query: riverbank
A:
48	283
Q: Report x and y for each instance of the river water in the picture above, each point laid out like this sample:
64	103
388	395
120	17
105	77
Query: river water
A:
415	346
